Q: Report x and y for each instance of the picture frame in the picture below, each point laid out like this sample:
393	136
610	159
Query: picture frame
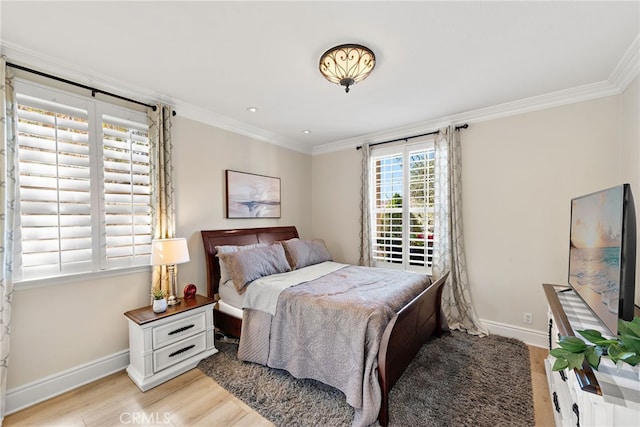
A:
250	195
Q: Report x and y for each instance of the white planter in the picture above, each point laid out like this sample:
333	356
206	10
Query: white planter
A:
159	305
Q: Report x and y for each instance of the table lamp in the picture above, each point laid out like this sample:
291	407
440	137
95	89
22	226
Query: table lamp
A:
170	252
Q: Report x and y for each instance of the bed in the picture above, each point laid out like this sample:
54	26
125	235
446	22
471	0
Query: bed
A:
404	331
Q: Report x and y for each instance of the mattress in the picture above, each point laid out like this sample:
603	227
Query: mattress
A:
230	295
229	309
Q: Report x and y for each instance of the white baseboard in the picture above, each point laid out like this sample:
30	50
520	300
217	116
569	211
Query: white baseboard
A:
38	391
529	336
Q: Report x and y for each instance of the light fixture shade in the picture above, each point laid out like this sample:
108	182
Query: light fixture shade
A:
169	251
347	64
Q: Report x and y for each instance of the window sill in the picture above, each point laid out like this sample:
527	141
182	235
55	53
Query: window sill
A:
82	277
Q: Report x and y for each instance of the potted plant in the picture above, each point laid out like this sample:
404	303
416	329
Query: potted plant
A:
159	301
624	348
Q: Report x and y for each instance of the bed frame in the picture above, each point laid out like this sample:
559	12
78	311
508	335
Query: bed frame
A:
401	340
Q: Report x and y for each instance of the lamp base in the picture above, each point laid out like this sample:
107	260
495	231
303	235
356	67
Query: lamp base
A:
173	300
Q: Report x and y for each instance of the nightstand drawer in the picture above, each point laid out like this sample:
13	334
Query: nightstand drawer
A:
175	331
178	352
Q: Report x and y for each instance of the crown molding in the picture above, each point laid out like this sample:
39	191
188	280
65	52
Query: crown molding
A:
627	69
28	58
208	117
38	61
535	103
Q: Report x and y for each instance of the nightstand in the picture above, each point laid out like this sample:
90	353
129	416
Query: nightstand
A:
165	345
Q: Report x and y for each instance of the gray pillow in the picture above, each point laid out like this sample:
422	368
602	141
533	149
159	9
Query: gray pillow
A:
248	265
302	253
224	273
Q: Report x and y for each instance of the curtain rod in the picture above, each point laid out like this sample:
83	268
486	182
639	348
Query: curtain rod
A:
464	126
92	89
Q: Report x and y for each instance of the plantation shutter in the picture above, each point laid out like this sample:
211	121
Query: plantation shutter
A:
83	185
388	188
55	187
127	207
403	211
421	207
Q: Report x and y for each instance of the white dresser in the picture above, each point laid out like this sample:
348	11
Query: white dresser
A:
164	345
585	397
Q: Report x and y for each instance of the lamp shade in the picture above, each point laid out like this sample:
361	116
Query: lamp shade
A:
169	251
347	64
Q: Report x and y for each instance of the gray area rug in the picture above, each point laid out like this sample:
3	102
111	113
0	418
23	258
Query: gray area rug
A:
456	380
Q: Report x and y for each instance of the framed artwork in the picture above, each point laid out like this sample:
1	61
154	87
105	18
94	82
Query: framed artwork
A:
252	196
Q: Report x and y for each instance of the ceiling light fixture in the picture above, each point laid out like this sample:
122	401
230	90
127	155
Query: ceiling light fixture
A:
252	109
347	64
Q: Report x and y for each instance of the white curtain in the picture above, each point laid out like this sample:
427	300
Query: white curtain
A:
7	216
365	212
449	244
163	209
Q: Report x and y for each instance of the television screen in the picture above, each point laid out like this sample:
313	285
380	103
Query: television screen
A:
602	243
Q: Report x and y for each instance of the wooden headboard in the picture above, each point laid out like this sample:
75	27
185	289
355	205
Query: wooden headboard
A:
238	237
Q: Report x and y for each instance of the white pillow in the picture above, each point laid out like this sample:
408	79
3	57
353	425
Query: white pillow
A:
224	271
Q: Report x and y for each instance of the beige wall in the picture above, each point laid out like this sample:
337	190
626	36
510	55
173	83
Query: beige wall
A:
62	327
336	203
202	153
519	174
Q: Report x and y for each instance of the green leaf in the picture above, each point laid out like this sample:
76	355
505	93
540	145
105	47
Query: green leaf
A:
629	328
572	344
591	335
633	361
559	352
631	343
596	337
593	355
575	360
560	364
616	352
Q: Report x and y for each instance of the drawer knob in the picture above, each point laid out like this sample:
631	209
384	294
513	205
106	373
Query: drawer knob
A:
182	350
184	328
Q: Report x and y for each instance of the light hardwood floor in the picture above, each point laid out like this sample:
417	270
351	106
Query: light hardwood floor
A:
192	399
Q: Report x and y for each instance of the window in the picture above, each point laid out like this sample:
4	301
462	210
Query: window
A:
402	186
83	185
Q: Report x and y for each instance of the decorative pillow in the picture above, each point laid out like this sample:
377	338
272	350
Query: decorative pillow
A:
302	253
248	265
224	273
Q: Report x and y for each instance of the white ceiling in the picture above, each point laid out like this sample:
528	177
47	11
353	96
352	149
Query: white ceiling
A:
435	60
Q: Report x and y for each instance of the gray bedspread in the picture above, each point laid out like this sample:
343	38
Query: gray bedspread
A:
329	329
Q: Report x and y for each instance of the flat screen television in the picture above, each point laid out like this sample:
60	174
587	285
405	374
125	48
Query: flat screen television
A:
602	253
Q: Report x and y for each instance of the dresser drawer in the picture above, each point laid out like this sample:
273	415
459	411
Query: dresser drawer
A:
175	331
178	352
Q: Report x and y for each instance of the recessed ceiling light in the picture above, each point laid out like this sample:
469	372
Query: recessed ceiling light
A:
306	131
252	109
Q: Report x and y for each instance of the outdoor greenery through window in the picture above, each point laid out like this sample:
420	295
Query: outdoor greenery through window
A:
402	183
83	185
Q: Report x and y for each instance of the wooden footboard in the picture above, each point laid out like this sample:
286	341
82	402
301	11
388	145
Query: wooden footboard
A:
407	331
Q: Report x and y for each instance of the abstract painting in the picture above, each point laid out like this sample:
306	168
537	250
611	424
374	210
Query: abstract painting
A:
252	196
